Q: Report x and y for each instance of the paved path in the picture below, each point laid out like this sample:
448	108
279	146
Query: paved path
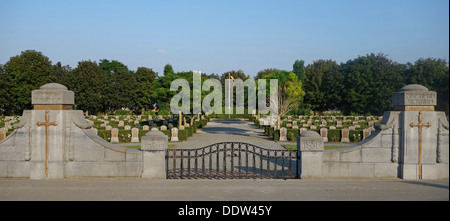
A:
222	190
226	130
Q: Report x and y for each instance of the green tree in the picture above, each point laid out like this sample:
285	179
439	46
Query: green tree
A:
370	82
110	67
236	75
290	91
358	78
60	72
22	74
122	91
333	87
299	69
162	93
5	99
433	74
168	69
145	79
316	97
88	84
262	73
387	79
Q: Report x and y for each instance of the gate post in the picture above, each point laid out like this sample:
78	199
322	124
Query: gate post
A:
154	144
309	152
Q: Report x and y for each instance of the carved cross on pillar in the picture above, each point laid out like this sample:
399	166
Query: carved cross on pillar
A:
420	125
46	124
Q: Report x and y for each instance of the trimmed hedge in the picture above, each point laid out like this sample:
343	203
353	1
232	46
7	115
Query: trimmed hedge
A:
334	135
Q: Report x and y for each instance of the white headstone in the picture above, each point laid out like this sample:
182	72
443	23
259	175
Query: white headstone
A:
114	135
366	133
303	129
324	134
135	135
283	134
345	135
174	133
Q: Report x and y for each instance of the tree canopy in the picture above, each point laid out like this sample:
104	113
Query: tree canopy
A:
363	85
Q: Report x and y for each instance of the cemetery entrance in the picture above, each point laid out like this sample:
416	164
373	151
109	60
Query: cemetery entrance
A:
231	160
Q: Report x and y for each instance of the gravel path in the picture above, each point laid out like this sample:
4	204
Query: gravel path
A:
229	130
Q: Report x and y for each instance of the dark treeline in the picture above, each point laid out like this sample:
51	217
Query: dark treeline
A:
363	85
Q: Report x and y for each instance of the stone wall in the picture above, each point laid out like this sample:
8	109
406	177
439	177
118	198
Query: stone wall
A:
393	149
74	150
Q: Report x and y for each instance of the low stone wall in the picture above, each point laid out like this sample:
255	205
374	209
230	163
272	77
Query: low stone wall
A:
384	154
74	150
411	142
97	158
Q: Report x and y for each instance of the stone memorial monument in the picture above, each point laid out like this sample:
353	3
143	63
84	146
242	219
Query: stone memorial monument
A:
411	142
53	141
310	148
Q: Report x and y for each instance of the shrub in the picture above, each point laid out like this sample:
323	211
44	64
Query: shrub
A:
355	135
163	112
182	134
270	131
292	134
276	135
167	132
334	135
122	112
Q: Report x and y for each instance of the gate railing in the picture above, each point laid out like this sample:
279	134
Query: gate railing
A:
231	160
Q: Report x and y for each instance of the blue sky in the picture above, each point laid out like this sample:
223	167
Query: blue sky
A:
219	36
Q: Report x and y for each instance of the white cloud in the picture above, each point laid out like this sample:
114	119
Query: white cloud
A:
164	52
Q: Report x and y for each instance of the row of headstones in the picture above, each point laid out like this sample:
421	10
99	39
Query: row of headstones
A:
127	127
125	117
345	133
309	124
135	134
136	122
7	126
323	117
10	120
334	118
135	117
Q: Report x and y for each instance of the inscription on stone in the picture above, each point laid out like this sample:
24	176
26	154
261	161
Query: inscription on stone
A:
311	146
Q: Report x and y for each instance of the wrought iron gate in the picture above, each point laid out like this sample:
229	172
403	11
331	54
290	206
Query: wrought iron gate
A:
231	160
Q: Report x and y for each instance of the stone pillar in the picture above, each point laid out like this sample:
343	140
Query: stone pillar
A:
154	144
414	100
56	99
310	151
